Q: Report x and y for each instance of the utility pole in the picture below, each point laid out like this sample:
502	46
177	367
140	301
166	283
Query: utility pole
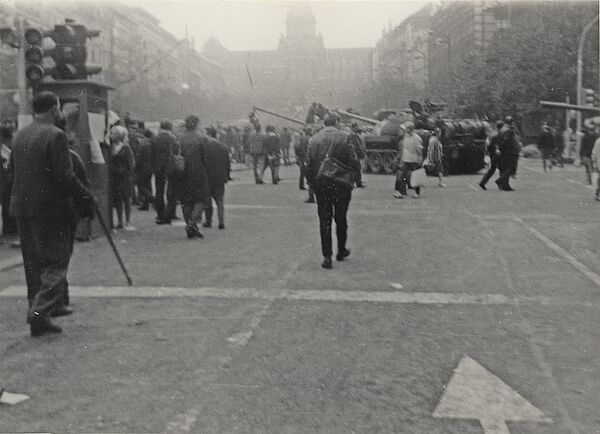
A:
586	29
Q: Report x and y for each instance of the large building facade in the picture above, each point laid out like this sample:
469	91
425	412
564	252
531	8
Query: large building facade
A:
301	70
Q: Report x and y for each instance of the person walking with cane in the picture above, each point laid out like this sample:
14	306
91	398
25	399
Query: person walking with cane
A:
45	194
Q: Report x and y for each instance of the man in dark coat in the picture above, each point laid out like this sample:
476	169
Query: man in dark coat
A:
301	150
585	151
272	148
162	148
218	169
193	190
356	143
509	154
143	172
45	194
546	146
493	151
333	198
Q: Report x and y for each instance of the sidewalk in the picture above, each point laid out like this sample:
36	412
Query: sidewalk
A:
9	256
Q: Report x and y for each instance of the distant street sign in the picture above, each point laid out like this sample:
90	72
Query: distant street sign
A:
476	393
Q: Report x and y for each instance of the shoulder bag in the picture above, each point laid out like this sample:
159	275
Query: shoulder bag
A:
332	170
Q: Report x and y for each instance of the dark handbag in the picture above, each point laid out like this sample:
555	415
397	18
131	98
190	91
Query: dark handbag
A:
332	170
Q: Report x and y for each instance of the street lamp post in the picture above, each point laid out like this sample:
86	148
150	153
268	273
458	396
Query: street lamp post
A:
586	29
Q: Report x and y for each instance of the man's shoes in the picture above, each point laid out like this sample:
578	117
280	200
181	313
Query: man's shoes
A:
206	225
302	188
327	263
398	195
342	254
482	186
508	188
441	184
193	232
144	208
61	311
361	186
260	182
309	201
221	225
163	222
416	195
40	325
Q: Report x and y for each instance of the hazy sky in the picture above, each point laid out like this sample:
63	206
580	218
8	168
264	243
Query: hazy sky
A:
256	25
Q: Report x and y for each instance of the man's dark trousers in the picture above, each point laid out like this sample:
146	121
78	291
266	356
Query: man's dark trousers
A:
160	179
332	204
491	170
217	192
508	167
46	248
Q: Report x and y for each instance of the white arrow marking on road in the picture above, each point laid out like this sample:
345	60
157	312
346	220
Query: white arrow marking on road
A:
476	393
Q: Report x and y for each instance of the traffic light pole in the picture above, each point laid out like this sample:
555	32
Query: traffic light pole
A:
25	117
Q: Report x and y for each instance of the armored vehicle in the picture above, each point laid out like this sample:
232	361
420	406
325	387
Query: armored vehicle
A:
463	140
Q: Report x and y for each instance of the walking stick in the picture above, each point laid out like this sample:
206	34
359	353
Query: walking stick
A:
112	244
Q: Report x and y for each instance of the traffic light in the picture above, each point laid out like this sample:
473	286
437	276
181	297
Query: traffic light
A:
589	96
34	56
70	54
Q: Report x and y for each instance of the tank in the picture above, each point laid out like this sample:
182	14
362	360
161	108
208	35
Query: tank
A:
463	140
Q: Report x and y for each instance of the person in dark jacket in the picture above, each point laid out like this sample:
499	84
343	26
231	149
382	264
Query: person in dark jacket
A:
122	170
193	190
301	150
546	146
357	146
494	153
45	192
585	151
162	149
9	223
509	147
272	148
333	198
218	169
143	172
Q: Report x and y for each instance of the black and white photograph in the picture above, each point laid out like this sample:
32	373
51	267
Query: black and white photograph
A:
285	216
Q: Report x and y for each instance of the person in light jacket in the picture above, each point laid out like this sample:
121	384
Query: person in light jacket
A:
411	159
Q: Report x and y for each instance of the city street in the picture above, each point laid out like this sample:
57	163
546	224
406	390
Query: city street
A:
464	311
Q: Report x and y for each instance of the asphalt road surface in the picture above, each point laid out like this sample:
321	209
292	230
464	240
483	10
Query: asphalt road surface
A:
465	311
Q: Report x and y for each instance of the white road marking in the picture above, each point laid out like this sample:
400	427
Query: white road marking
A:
595	278
333	295
184	422
475	393
396	285
580	183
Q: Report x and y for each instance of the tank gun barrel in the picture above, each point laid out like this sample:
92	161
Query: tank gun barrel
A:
357	117
562	105
296	121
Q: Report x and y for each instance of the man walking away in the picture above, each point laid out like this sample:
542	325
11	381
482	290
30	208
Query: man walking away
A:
435	155
333	198
546	146
411	159
218	169
255	142
585	151
286	138
9	223
192	191
596	166
493	150
509	154
162	148
272	149
357	147
143	169
45	194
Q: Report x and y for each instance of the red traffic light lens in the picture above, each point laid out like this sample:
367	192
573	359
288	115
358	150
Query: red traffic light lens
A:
34	73
34	36
34	55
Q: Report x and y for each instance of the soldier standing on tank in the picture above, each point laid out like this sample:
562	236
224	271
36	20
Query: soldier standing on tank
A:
494	153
